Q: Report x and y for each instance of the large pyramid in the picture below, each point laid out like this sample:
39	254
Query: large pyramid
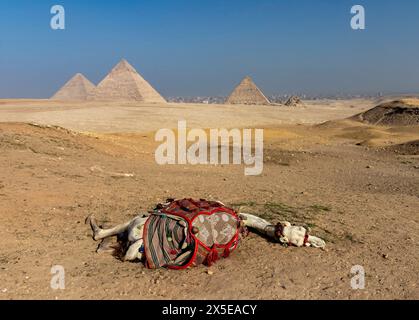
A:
77	88
123	83
247	93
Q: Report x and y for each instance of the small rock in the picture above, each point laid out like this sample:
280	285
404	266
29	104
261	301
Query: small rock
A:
369	167
209	272
4	290
385	256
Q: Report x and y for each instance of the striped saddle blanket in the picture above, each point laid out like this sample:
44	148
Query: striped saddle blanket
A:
187	232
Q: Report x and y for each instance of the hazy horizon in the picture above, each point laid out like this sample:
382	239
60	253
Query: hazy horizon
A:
204	48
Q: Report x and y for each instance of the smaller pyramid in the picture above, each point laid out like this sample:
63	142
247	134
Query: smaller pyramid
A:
76	89
124	83
294	101
247	93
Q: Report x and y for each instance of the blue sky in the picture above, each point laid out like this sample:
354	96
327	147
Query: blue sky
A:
205	47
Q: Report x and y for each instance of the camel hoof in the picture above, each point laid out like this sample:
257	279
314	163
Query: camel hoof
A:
88	219
105	246
92	221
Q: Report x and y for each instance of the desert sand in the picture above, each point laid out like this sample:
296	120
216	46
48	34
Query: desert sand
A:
353	183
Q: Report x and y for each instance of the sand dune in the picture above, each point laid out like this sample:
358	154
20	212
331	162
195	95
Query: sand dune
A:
394	113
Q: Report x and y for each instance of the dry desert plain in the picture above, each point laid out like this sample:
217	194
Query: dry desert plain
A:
347	180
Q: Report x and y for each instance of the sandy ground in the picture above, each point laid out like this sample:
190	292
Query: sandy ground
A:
131	117
336	178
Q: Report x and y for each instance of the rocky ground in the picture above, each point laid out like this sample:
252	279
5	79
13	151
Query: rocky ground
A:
339	178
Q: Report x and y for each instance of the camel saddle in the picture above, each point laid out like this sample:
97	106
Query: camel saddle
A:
188	232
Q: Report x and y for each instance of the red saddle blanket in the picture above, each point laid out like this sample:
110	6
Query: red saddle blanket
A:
189	232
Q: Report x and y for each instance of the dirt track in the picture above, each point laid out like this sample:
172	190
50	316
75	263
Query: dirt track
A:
361	199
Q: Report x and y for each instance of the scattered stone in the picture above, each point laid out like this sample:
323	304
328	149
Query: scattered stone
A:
209	272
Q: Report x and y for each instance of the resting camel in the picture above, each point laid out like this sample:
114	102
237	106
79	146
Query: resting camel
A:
132	240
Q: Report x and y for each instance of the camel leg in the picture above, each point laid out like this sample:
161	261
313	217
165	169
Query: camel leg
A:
133	251
292	234
258	224
99	233
107	245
